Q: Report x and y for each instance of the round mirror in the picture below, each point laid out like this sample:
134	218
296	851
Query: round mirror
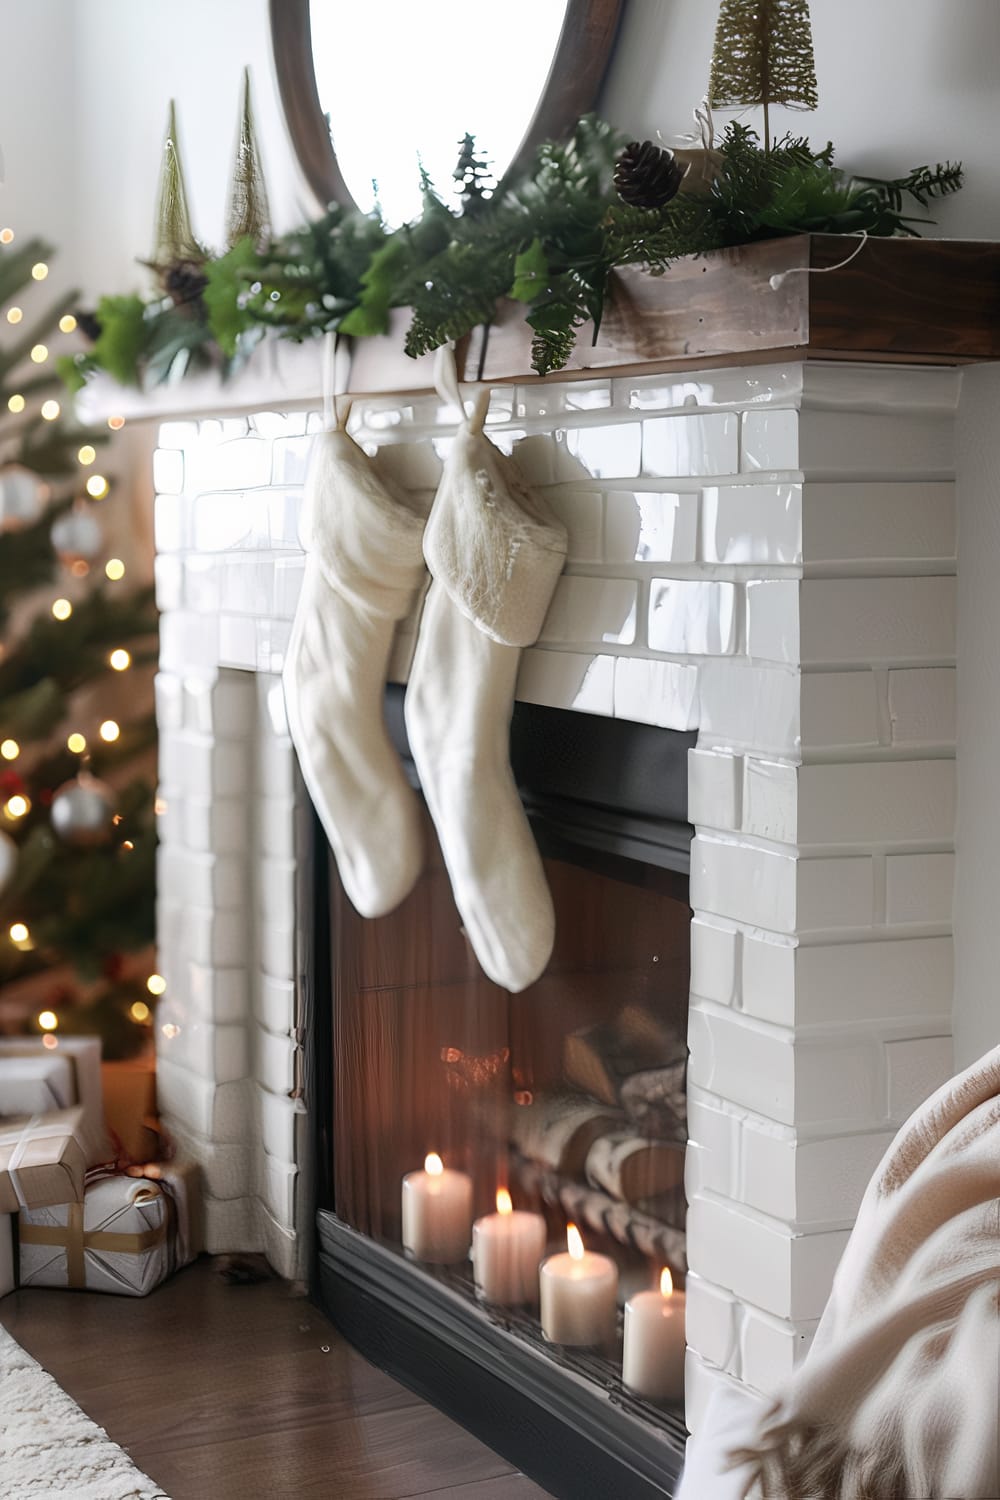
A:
375	93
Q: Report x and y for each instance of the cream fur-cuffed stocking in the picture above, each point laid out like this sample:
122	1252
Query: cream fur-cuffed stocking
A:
363	568
495	553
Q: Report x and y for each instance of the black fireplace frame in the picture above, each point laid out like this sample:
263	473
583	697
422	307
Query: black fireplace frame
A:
618	790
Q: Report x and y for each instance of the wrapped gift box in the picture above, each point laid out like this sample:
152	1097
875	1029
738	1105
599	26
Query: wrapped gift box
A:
83	1053
130	1105
42	1160
119	1239
6	1254
32	1085
182	1180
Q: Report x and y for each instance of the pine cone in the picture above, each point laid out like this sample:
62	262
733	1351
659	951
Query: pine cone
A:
647	175
185	282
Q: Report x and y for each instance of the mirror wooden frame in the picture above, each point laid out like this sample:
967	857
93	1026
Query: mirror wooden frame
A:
578	68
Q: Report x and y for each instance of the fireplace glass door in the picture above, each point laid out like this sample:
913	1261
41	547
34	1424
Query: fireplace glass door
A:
571	1095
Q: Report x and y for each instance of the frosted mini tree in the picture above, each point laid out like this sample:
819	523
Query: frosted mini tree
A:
249	214
763	55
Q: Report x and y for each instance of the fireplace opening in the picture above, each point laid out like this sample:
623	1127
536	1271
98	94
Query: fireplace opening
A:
569	1097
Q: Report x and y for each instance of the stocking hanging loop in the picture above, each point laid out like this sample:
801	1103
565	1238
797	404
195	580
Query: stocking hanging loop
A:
336	374
448	388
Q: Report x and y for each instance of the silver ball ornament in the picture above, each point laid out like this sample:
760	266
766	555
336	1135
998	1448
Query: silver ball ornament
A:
77	536
8	859
82	811
22	495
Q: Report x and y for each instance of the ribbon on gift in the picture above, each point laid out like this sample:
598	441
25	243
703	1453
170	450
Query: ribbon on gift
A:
39	1173
77	1240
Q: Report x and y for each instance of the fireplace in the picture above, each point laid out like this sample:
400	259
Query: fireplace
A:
570	1094
762	563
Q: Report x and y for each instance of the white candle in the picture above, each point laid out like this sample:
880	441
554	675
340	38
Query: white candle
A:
653	1364
437	1213
506	1249
579	1294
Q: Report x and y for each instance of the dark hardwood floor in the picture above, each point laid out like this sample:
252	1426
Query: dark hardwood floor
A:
233	1393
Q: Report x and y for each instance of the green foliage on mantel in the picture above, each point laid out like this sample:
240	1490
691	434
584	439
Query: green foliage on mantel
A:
550	239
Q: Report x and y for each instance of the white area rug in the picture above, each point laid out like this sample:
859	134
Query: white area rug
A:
49	1449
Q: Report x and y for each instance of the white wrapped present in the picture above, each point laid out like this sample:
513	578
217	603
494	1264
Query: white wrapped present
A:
33	1084
119	1239
83	1055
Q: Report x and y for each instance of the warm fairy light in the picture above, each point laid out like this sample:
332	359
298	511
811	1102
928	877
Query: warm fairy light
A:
50	1041
116	819
19	932
127	844
79	567
39	270
77	743
50	410
67	323
48	1020
87	454
574	1242
156	984
170	1030
114	569
160	806
109	731
120	660
6	236
97	486
116	423
16	404
433	1165
139	1011
62	609
39	354
17	806
14	315
666	1283
10	749
504	1204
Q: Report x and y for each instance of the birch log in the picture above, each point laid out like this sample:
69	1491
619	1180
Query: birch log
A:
599	1059
558	1130
632	1169
656	1102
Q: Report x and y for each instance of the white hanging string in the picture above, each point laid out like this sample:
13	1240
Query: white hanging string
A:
775	281
336	370
447	386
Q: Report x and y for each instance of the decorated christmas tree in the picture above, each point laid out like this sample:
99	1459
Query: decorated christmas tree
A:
763	55
77	824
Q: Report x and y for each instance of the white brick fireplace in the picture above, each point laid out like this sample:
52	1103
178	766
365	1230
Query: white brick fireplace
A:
764	554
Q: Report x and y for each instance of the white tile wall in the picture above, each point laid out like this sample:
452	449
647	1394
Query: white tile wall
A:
765	555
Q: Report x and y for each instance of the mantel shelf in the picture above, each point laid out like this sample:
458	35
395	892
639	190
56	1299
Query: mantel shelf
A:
916	301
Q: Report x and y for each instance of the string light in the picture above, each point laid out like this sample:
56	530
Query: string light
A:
87	454
16	404
67	323
6	236
139	1011
10	749
17	806
156	984
120	660
79	567
50	410
170	1030
14	315
48	1020
39	271
114	568
109	731
19	932
76	743
116	423
39	354
127	845
97	486
160	806
50	1041
62	609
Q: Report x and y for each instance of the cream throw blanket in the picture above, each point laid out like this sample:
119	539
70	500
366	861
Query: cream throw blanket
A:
898	1397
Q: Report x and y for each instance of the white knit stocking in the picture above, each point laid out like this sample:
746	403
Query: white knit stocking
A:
363	567
495	553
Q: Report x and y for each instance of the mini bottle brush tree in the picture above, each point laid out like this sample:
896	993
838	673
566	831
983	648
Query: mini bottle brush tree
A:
77	855
763	55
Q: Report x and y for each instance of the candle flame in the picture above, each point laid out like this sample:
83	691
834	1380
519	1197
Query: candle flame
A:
574	1242
504	1204
433	1165
666	1282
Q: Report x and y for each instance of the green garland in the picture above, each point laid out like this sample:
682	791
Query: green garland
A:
549	239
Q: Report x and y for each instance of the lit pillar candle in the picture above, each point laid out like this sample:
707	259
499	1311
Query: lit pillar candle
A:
579	1295
653	1364
437	1213
506	1249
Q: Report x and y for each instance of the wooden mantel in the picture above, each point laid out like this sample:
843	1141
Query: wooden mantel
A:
919	301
